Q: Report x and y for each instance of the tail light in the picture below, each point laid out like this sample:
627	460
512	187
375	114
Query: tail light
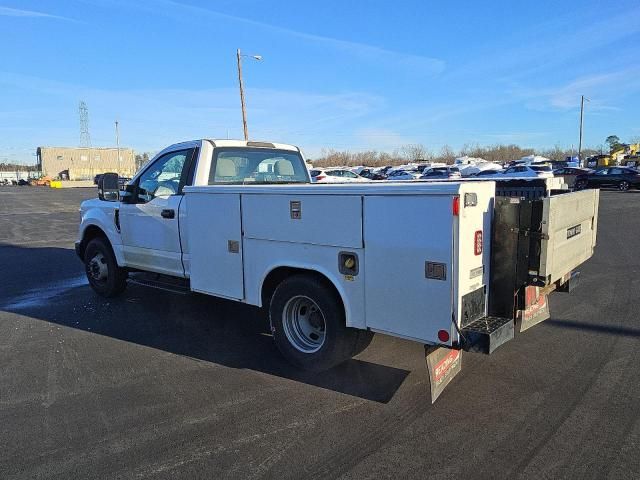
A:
443	336
477	242
320	177
456	206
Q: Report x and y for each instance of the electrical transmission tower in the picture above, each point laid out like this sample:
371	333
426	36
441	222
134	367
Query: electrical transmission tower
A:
85	138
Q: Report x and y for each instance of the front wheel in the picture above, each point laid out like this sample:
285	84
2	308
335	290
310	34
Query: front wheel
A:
623	186
101	267
308	324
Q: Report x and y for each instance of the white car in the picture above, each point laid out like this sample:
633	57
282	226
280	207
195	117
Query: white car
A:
335	175
524	171
400	174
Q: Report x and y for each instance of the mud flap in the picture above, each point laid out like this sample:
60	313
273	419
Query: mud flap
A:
536	308
443	365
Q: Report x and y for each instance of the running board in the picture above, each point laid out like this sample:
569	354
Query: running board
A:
487	334
181	286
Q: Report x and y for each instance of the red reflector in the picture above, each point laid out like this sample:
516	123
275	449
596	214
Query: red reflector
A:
456	206
477	242
443	336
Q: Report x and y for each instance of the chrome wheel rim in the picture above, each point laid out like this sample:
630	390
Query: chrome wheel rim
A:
304	324
97	268
624	186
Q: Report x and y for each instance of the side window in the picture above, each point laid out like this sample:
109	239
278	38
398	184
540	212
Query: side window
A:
602	172
616	171
347	173
162	179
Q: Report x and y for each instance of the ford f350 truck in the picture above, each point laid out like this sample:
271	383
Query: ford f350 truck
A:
451	265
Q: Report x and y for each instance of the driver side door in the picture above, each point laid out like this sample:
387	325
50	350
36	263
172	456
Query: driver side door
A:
149	221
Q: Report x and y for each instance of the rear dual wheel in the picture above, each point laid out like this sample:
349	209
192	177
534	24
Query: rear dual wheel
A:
308	324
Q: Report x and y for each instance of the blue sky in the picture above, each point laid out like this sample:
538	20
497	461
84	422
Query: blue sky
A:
337	74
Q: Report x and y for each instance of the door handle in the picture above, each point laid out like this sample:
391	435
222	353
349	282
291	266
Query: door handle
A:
168	213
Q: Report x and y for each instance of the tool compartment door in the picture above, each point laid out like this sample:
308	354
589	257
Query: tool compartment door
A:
569	227
215	242
402	235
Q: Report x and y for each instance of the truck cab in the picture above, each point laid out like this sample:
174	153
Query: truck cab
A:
144	225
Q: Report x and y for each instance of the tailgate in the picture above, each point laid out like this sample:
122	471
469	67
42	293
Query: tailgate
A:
569	225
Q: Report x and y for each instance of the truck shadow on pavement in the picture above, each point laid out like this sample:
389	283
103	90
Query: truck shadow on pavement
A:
204	328
606	329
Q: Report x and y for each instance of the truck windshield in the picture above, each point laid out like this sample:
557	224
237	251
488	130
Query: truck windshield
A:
257	166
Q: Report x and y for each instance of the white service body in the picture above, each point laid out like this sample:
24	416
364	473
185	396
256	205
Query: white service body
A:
393	229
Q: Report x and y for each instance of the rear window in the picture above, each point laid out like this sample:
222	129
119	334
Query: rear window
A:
238	166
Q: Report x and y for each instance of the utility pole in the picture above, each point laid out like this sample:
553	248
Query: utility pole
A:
582	99
118	146
244	111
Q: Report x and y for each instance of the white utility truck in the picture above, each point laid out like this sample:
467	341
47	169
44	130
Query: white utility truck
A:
450	264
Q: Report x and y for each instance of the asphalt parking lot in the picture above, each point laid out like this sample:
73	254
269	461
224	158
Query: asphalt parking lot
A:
158	385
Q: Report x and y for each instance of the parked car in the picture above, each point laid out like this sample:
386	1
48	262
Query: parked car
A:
335	175
399	174
572	171
371	174
525	171
570	174
488	173
622	178
441	173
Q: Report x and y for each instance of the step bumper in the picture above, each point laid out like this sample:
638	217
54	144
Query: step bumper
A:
487	334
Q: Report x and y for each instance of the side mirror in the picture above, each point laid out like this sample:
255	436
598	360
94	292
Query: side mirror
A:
108	188
127	193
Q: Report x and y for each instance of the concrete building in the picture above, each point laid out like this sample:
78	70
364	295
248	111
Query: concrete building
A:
85	163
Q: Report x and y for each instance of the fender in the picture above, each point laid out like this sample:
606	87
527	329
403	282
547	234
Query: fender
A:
101	214
354	314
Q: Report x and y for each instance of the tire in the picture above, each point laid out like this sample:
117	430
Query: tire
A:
308	324
623	186
581	185
103	273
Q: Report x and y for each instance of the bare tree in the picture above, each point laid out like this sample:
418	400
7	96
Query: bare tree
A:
415	152
446	155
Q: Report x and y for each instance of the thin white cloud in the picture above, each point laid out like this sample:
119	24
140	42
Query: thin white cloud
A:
418	64
153	118
602	89
17	12
552	46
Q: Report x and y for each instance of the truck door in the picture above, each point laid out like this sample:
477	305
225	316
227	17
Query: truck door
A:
149	219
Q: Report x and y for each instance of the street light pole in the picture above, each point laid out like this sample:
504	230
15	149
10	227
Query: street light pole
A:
118	146
244	110
582	99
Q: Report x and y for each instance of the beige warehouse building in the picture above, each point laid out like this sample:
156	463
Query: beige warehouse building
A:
85	163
